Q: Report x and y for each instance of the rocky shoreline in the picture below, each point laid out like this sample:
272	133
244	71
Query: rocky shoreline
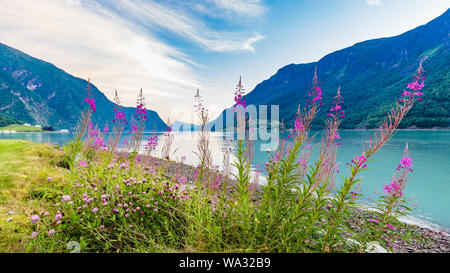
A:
426	240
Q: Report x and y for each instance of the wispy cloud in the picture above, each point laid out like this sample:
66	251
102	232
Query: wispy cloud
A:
116	43
246	7
373	2
150	15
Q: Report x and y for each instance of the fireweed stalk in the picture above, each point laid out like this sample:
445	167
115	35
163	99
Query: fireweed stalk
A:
320	180
358	164
168	141
119	123
281	200
138	127
330	142
203	205
244	152
203	150
74	147
391	205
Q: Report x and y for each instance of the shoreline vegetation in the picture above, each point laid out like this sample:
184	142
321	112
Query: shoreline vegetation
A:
101	193
26	186
18	128
151	132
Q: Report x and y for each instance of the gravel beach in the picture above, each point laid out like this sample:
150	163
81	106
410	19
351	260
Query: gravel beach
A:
427	241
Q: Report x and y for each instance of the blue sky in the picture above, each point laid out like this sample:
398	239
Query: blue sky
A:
172	47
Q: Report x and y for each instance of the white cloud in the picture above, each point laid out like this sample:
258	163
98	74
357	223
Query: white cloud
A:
152	15
373	2
247	7
73	2
249	43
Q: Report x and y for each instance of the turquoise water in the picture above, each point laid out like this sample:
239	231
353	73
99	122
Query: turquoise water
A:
428	187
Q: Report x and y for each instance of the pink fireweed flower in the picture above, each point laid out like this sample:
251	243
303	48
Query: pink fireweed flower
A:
416	85
373	220
141	113
119	117
238	94
151	143
399	179
359	161
134	127
239	101
315	92
99	142
405	163
298	125
92	132
336	111
393	189
35	218
409	97
91	103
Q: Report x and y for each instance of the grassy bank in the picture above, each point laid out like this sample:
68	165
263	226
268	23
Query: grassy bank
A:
33	180
24	171
21	128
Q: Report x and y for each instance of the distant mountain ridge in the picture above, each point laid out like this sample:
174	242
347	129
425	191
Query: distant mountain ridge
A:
37	92
180	126
7	120
372	75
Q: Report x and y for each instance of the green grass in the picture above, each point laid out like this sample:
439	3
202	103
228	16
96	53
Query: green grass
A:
21	128
24	169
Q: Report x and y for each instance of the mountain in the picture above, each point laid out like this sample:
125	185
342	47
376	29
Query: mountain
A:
372	75
7	120
180	126
37	92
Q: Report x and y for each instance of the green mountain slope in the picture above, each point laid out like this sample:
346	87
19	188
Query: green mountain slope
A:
372	75
38	92
7	120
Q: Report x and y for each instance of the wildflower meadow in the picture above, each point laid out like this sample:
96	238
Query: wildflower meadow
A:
120	196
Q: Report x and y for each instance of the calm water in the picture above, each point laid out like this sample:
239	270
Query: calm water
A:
428	187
